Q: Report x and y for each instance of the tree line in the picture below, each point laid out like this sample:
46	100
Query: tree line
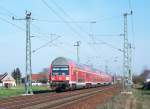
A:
140	79
17	75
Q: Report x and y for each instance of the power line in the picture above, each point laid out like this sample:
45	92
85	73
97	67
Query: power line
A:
56	45
61	18
4	20
35	26
70	18
108	35
58	21
78	21
40	34
66	44
44	45
51	43
92	36
18	27
65	13
115	17
61	9
108	44
9	12
69	51
4	14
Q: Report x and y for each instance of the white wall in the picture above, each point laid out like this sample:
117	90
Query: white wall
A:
1	84
147	80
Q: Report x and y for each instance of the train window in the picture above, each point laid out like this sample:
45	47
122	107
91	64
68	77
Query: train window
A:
60	71
55	68
55	73
63	74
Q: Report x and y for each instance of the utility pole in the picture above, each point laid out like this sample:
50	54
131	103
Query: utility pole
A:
77	45
130	64
126	61
28	78
106	66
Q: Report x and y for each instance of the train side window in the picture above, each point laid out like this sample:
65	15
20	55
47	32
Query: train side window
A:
63	74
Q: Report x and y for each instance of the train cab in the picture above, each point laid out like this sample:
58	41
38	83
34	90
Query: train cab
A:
59	73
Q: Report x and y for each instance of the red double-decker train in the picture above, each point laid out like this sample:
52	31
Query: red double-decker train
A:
67	74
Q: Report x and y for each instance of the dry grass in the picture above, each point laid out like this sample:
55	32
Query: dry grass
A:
138	100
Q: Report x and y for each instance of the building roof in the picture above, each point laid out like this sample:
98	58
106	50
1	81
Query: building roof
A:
3	75
36	77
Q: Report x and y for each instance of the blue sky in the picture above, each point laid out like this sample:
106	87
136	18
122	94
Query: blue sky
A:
108	15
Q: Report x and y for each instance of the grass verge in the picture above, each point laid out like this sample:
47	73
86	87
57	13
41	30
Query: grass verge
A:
16	91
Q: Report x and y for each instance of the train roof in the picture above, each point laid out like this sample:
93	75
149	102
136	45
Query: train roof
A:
61	61
65	61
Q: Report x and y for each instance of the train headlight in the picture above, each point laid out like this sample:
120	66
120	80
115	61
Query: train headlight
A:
52	78
67	78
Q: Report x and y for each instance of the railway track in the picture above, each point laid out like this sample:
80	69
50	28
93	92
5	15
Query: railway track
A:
51	100
68	100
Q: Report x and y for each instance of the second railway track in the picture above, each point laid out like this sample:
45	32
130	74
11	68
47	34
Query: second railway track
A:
52	101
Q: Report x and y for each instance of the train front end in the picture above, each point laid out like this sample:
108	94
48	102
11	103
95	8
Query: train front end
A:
59	74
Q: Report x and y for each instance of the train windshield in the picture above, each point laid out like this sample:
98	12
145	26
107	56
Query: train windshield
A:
60	71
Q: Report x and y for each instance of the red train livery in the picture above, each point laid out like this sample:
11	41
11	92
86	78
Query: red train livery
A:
67	74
